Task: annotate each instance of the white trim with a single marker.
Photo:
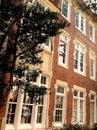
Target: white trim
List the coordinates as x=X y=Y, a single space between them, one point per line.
x=80 y=50
x=78 y=19
x=92 y=36
x=68 y=10
x=17 y=121
x=92 y=57
x=95 y=106
x=63 y=60
x=78 y=98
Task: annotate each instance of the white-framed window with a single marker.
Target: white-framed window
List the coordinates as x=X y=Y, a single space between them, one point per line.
x=59 y=106
x=63 y=50
x=78 y=106
x=92 y=108
x=22 y=111
x=92 y=66
x=79 y=58
x=48 y=44
x=12 y=105
x=92 y=32
x=66 y=8
x=80 y=21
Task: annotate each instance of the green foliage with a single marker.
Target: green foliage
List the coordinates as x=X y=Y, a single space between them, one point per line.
x=26 y=27
x=76 y=126
x=91 y=5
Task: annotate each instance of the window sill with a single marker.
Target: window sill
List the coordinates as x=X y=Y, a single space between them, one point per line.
x=93 y=41
x=58 y=125
x=25 y=126
x=10 y=127
x=47 y=48
x=93 y=78
x=63 y=65
x=68 y=19
x=80 y=73
x=83 y=32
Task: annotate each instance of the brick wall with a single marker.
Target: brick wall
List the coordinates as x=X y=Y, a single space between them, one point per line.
x=68 y=75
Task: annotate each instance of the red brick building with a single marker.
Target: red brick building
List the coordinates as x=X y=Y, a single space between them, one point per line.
x=69 y=70
x=74 y=76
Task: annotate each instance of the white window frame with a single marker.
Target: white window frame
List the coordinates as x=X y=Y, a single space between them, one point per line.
x=80 y=21
x=93 y=112
x=63 y=50
x=78 y=99
x=68 y=14
x=49 y=45
x=62 y=95
x=79 y=52
x=17 y=120
x=92 y=32
x=92 y=66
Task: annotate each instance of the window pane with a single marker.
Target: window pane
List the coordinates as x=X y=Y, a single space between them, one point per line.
x=78 y=106
x=77 y=19
x=92 y=111
x=65 y=8
x=92 y=97
x=62 y=52
x=92 y=65
x=27 y=109
x=60 y=89
x=47 y=43
x=39 y=114
x=59 y=104
x=80 y=21
x=81 y=94
x=75 y=104
x=75 y=93
x=76 y=59
x=75 y=110
x=43 y=80
x=12 y=105
x=26 y=114
x=79 y=58
x=82 y=24
x=81 y=62
x=75 y=116
x=58 y=116
x=40 y=109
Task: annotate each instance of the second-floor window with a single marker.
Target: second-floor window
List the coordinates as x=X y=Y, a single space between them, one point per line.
x=63 y=50
x=66 y=8
x=92 y=66
x=92 y=33
x=79 y=58
x=80 y=22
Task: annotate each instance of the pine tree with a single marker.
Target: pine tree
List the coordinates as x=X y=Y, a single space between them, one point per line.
x=23 y=29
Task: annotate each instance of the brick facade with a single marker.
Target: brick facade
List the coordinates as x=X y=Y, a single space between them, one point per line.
x=67 y=75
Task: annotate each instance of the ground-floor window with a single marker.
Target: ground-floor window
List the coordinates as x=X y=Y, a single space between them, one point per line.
x=78 y=106
x=12 y=105
x=92 y=108
x=59 y=105
x=22 y=110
